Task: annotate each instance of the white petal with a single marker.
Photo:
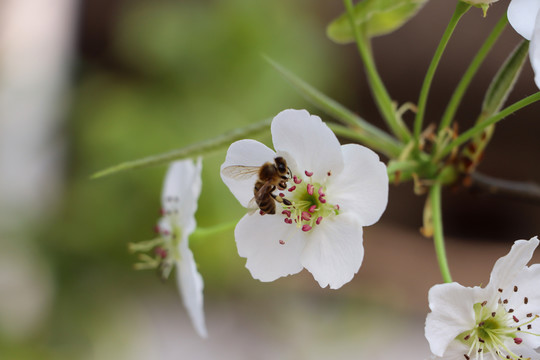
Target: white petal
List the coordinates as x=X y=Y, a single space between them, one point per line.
x=334 y=250
x=451 y=313
x=534 y=50
x=507 y=268
x=181 y=191
x=245 y=153
x=522 y=16
x=306 y=143
x=258 y=239
x=190 y=285
x=527 y=286
x=362 y=186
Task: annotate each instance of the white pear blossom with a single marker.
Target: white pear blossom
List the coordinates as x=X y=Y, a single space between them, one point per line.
x=332 y=192
x=524 y=16
x=179 y=198
x=500 y=321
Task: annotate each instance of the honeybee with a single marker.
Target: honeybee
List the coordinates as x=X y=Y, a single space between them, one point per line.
x=271 y=176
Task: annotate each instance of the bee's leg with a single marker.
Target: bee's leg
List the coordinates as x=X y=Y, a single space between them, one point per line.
x=281 y=199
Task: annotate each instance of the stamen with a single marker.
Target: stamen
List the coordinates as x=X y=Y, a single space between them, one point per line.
x=310 y=189
x=286 y=212
x=329 y=173
x=493 y=314
x=529 y=315
x=292 y=188
x=288 y=221
x=515 y=318
x=484 y=303
x=515 y=288
x=157 y=230
x=467 y=357
x=312 y=208
x=529 y=327
x=281 y=195
x=518 y=340
x=500 y=290
x=525 y=300
x=161 y=252
x=281 y=242
x=261 y=212
x=511 y=311
x=306 y=216
x=467 y=337
x=308 y=173
x=505 y=301
x=296 y=180
x=322 y=199
x=306 y=227
x=319 y=219
x=320 y=191
x=337 y=207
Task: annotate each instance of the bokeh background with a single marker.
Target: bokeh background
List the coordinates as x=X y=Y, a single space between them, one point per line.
x=85 y=85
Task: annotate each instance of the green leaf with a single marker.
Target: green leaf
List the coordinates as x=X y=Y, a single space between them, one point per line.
x=374 y=18
x=358 y=128
x=504 y=80
x=204 y=147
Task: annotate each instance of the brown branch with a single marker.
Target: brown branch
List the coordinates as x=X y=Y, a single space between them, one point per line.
x=524 y=191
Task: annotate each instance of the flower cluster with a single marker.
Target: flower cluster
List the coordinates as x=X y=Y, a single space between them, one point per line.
x=330 y=193
x=500 y=321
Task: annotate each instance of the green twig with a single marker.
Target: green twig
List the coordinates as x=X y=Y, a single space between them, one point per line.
x=478 y=128
x=461 y=9
x=204 y=147
x=470 y=72
x=438 y=237
x=384 y=102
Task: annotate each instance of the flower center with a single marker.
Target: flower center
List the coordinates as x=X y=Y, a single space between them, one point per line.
x=308 y=204
x=498 y=330
x=161 y=252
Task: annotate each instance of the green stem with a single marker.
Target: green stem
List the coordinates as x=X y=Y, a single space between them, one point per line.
x=212 y=230
x=204 y=147
x=384 y=102
x=471 y=71
x=388 y=147
x=461 y=9
x=438 y=237
x=479 y=127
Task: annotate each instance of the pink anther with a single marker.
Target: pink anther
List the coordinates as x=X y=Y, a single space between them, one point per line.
x=306 y=227
x=310 y=189
x=312 y=208
x=282 y=195
x=296 y=180
x=286 y=212
x=292 y=188
x=306 y=216
x=319 y=219
x=322 y=199
x=308 y=173
x=518 y=340
x=281 y=242
x=321 y=191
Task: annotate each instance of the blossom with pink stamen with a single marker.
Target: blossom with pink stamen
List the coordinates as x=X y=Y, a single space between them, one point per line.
x=355 y=195
x=500 y=321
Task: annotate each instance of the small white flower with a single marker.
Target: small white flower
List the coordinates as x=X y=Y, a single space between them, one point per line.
x=179 y=197
x=499 y=321
x=524 y=16
x=333 y=192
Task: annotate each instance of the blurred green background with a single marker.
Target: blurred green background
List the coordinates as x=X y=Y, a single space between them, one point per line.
x=151 y=76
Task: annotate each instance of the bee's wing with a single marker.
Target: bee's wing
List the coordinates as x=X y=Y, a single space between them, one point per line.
x=240 y=172
x=252 y=206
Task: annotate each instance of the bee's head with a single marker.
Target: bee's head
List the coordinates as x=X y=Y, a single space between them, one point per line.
x=281 y=166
